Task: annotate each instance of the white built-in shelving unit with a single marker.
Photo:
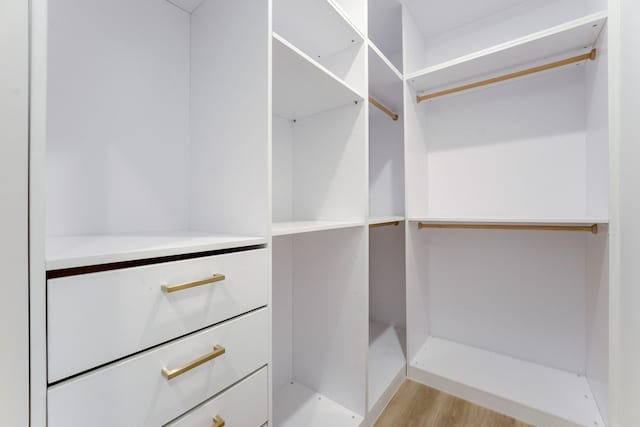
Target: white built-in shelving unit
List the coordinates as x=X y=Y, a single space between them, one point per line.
x=319 y=202
x=423 y=185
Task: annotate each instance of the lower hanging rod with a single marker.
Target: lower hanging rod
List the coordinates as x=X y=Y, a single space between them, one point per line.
x=384 y=109
x=384 y=224
x=589 y=228
x=587 y=56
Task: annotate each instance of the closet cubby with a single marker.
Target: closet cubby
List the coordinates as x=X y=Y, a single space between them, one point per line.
x=386 y=149
x=149 y=140
x=387 y=360
x=320 y=328
x=319 y=171
x=385 y=30
x=302 y=87
x=532 y=148
x=322 y=31
x=507 y=175
x=514 y=320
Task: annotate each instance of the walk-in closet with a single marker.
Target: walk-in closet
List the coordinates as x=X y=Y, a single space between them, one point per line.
x=274 y=212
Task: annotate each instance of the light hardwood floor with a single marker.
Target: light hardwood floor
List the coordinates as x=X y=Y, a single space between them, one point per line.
x=416 y=405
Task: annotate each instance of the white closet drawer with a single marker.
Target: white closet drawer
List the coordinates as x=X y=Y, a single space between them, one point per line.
x=135 y=392
x=244 y=405
x=96 y=318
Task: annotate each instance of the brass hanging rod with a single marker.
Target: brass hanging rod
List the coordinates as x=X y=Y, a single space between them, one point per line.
x=590 y=228
x=384 y=109
x=587 y=56
x=384 y=224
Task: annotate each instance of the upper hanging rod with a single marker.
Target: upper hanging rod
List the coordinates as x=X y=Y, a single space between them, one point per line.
x=590 y=228
x=587 y=56
x=384 y=109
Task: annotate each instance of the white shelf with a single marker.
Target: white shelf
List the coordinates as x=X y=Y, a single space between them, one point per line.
x=81 y=251
x=387 y=358
x=317 y=27
x=385 y=219
x=513 y=221
x=295 y=405
x=534 y=393
x=385 y=81
x=297 y=227
x=302 y=87
x=574 y=37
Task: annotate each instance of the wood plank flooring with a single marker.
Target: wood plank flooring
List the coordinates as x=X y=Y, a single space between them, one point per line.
x=416 y=405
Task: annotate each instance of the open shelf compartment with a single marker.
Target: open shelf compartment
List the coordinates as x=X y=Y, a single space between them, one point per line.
x=514 y=320
x=546 y=395
x=138 y=159
x=321 y=30
x=302 y=87
x=319 y=328
x=316 y=27
x=387 y=314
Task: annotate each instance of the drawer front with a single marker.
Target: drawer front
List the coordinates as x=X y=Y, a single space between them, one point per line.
x=135 y=392
x=96 y=318
x=243 y=405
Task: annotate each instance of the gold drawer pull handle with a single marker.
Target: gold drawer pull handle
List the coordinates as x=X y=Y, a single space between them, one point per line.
x=174 y=288
x=218 y=421
x=218 y=351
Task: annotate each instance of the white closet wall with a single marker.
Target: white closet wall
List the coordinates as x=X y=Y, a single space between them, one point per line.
x=625 y=268
x=14 y=180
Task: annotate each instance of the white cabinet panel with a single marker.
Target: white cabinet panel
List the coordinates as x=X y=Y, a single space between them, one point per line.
x=14 y=149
